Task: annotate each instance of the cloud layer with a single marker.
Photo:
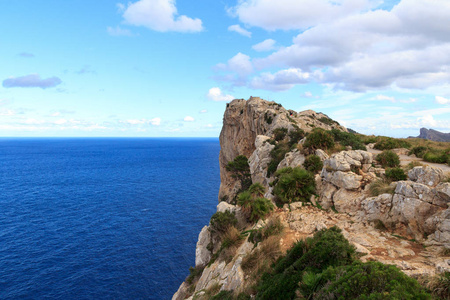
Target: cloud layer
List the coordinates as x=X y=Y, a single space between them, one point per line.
x=159 y=15
x=32 y=80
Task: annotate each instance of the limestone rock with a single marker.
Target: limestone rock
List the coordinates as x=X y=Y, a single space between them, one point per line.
x=236 y=210
x=347 y=201
x=292 y=159
x=322 y=154
x=202 y=254
x=428 y=175
x=259 y=160
x=346 y=180
x=377 y=208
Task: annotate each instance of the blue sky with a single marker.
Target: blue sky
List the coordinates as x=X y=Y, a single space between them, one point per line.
x=153 y=68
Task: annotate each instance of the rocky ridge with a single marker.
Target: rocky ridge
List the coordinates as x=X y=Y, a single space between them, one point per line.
x=416 y=215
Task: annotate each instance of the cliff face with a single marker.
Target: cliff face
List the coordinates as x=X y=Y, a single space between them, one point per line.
x=434 y=135
x=244 y=120
x=417 y=209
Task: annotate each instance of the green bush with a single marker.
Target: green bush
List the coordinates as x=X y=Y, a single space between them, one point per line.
x=438 y=156
x=388 y=159
x=253 y=204
x=381 y=186
x=313 y=163
x=221 y=221
x=319 y=139
x=277 y=154
x=328 y=121
x=390 y=143
x=240 y=170
x=279 y=133
x=440 y=286
x=273 y=227
x=348 y=139
x=396 y=174
x=293 y=185
x=261 y=207
x=371 y=280
x=295 y=135
x=327 y=248
x=268 y=118
x=418 y=151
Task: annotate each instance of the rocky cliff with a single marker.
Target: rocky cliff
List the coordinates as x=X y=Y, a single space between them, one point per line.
x=434 y=135
x=408 y=227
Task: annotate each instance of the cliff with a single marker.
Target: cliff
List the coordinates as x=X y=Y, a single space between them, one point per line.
x=434 y=135
x=408 y=226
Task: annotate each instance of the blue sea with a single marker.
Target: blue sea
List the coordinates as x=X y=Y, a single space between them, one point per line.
x=102 y=218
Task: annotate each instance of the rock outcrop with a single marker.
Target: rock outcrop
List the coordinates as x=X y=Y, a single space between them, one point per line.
x=434 y=135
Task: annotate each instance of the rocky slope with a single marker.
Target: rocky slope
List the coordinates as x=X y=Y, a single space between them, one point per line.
x=416 y=216
x=434 y=135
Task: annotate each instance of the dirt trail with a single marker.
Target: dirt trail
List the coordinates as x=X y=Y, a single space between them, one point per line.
x=405 y=159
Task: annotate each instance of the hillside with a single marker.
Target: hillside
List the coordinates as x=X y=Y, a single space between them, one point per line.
x=434 y=135
x=287 y=176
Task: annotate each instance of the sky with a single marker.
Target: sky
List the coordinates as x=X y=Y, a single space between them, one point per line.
x=166 y=68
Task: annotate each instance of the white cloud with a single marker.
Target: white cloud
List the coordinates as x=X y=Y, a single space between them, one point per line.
x=308 y=94
x=442 y=100
x=266 y=45
x=354 y=48
x=155 y=121
x=203 y=111
x=117 y=31
x=215 y=94
x=281 y=80
x=189 y=119
x=294 y=14
x=427 y=120
x=237 y=28
x=209 y=126
x=160 y=15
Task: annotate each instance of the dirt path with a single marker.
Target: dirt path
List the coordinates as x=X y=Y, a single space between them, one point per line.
x=405 y=159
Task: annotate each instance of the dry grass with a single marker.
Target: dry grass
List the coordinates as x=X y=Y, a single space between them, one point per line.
x=428 y=143
x=412 y=165
x=439 y=285
x=231 y=240
x=381 y=186
x=446 y=177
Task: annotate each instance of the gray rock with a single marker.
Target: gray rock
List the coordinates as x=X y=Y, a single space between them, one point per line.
x=292 y=159
x=202 y=254
x=427 y=175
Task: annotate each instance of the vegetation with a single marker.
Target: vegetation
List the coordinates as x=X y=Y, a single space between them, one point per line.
x=280 y=133
x=194 y=275
x=221 y=221
x=319 y=139
x=295 y=135
x=385 y=143
x=273 y=227
x=381 y=186
x=294 y=184
x=396 y=174
x=438 y=156
x=389 y=159
x=440 y=286
x=253 y=204
x=418 y=151
x=348 y=139
x=313 y=163
x=240 y=170
x=328 y=121
x=268 y=118
x=277 y=154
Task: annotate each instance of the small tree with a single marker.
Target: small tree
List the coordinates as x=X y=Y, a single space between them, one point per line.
x=240 y=170
x=294 y=184
x=253 y=204
x=319 y=139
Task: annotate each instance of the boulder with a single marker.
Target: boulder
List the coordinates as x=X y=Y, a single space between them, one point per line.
x=427 y=175
x=260 y=159
x=202 y=254
x=346 y=180
x=292 y=159
x=322 y=154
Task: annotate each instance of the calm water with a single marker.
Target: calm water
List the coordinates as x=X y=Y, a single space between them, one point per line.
x=102 y=218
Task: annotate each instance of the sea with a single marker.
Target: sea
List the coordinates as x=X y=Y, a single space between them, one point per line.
x=102 y=218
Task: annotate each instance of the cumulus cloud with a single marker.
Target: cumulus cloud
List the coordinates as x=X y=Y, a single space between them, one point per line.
x=281 y=80
x=266 y=45
x=240 y=30
x=155 y=121
x=32 y=80
x=189 y=119
x=160 y=15
x=117 y=31
x=215 y=94
x=442 y=100
x=294 y=14
x=355 y=48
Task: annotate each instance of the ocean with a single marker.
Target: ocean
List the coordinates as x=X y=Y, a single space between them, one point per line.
x=102 y=218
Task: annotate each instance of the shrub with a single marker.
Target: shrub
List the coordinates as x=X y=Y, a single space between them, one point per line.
x=221 y=221
x=396 y=174
x=273 y=227
x=390 y=143
x=440 y=285
x=313 y=163
x=277 y=154
x=268 y=118
x=279 y=133
x=412 y=165
x=194 y=274
x=223 y=295
x=388 y=159
x=327 y=248
x=261 y=207
x=381 y=186
x=253 y=204
x=319 y=139
x=240 y=170
x=348 y=139
x=294 y=184
x=295 y=135
x=328 y=121
x=371 y=280
x=437 y=156
x=418 y=151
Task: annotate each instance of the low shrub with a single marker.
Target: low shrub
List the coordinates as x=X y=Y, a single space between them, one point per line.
x=223 y=295
x=328 y=121
x=371 y=280
x=412 y=165
x=279 y=133
x=253 y=204
x=273 y=227
x=261 y=207
x=396 y=174
x=418 y=151
x=319 y=139
x=221 y=221
x=438 y=156
x=240 y=170
x=348 y=139
x=313 y=163
x=391 y=143
x=388 y=159
x=381 y=186
x=295 y=135
x=194 y=274
x=268 y=118
x=293 y=185
x=277 y=154
x=440 y=285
